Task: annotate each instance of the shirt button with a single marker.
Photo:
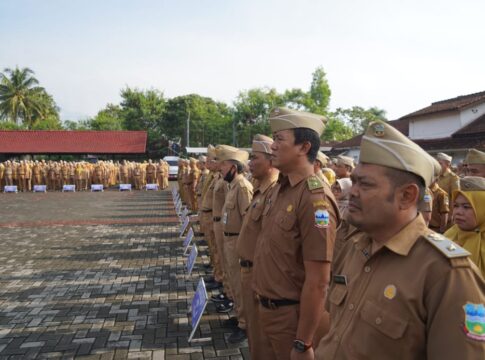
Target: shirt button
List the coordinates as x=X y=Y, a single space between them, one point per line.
x=367 y=269
x=336 y=337
x=351 y=307
x=378 y=321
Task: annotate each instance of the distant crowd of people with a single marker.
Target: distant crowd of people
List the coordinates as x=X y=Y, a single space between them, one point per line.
x=55 y=174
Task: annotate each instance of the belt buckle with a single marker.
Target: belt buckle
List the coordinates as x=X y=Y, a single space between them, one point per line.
x=272 y=305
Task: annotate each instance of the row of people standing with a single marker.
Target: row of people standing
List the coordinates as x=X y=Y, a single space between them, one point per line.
x=357 y=274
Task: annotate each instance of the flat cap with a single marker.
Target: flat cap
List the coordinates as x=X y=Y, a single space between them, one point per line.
x=284 y=119
x=443 y=156
x=384 y=145
x=226 y=152
x=211 y=151
x=202 y=158
x=345 y=160
x=472 y=183
x=322 y=158
x=474 y=156
x=262 y=143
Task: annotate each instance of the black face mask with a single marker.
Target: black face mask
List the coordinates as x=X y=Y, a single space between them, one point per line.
x=230 y=176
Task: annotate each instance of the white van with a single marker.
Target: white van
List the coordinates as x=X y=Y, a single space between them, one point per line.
x=173 y=166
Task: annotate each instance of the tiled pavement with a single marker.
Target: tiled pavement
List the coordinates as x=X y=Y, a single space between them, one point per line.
x=99 y=276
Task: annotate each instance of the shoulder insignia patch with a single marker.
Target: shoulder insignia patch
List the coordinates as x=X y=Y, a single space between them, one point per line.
x=446 y=246
x=314 y=183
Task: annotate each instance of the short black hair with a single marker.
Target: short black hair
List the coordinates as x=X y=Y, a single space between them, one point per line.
x=239 y=166
x=401 y=177
x=303 y=134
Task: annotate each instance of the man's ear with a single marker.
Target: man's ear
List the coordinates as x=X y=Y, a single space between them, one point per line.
x=408 y=196
x=305 y=148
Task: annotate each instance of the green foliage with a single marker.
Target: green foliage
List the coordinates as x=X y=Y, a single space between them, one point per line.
x=22 y=101
x=9 y=125
x=110 y=118
x=336 y=130
x=358 y=118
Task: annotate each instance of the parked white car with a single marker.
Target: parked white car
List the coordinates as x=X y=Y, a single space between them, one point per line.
x=173 y=166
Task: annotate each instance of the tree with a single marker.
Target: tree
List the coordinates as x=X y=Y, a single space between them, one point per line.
x=110 y=118
x=319 y=93
x=358 y=118
x=336 y=130
x=22 y=101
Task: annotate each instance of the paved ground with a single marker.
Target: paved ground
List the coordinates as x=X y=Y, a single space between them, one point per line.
x=99 y=276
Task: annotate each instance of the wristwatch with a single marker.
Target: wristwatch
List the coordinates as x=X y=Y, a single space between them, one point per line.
x=300 y=346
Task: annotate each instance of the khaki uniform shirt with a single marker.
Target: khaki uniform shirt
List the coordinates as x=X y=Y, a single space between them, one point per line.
x=401 y=300
x=299 y=224
x=208 y=192
x=322 y=177
x=237 y=201
x=441 y=205
x=251 y=227
x=449 y=181
x=220 y=190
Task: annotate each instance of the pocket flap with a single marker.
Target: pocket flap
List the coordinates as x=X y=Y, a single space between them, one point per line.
x=338 y=294
x=388 y=323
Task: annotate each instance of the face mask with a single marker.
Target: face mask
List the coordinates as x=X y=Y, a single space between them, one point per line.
x=229 y=176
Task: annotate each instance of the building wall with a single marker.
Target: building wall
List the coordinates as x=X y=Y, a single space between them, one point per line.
x=434 y=126
x=470 y=114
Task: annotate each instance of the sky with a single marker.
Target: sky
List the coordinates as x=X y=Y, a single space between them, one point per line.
x=397 y=55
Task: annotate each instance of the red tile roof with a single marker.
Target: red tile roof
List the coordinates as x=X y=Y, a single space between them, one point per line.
x=442 y=144
x=72 y=142
x=475 y=127
x=454 y=104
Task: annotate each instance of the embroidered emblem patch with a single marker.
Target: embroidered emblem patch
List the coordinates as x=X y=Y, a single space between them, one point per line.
x=322 y=218
x=321 y=203
x=474 y=325
x=390 y=292
x=378 y=130
x=289 y=208
x=427 y=198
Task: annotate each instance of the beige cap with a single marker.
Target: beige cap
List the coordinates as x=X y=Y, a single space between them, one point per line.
x=475 y=157
x=345 y=160
x=284 y=119
x=383 y=145
x=202 y=158
x=211 y=151
x=192 y=160
x=472 y=183
x=444 y=157
x=226 y=152
x=322 y=158
x=262 y=143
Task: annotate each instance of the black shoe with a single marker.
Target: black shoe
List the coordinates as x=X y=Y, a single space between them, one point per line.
x=231 y=322
x=219 y=298
x=237 y=336
x=207 y=266
x=213 y=286
x=202 y=243
x=224 y=307
x=209 y=279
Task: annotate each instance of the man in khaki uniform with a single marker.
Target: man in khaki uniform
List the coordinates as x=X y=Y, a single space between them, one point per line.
x=319 y=163
x=344 y=166
x=441 y=209
x=447 y=180
x=192 y=180
x=237 y=201
x=475 y=161
x=266 y=176
x=425 y=206
x=400 y=290
x=295 y=246
x=150 y=171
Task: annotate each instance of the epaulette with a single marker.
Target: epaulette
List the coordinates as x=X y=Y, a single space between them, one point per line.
x=314 y=183
x=446 y=246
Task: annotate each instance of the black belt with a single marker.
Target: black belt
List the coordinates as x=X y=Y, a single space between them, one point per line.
x=246 y=263
x=231 y=234
x=274 y=304
x=207 y=211
x=216 y=218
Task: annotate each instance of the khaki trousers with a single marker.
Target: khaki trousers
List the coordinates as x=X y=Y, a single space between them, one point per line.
x=208 y=230
x=258 y=342
x=233 y=271
x=219 y=240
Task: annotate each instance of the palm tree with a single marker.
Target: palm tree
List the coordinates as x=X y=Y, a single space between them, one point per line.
x=21 y=99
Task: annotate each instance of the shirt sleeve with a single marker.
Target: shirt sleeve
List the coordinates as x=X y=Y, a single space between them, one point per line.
x=445 y=204
x=245 y=195
x=453 y=333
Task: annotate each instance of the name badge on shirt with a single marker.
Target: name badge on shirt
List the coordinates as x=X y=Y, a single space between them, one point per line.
x=340 y=279
x=224 y=218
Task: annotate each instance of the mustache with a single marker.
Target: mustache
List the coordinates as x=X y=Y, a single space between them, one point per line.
x=355 y=202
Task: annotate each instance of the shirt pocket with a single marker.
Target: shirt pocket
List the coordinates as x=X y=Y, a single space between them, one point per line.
x=256 y=211
x=389 y=324
x=338 y=295
x=285 y=220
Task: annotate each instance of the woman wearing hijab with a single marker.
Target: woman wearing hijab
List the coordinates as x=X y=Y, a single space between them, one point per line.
x=341 y=191
x=469 y=219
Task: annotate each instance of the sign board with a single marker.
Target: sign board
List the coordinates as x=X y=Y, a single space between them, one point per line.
x=40 y=188
x=125 y=187
x=151 y=187
x=70 y=188
x=97 y=187
x=191 y=259
x=199 y=303
x=184 y=214
x=183 y=227
x=188 y=240
x=10 y=188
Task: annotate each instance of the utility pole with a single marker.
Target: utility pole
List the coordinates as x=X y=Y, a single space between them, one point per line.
x=188 y=129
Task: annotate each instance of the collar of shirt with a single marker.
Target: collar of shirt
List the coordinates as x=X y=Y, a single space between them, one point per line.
x=403 y=241
x=266 y=183
x=236 y=180
x=292 y=180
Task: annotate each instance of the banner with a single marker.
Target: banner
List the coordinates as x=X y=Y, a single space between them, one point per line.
x=199 y=303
